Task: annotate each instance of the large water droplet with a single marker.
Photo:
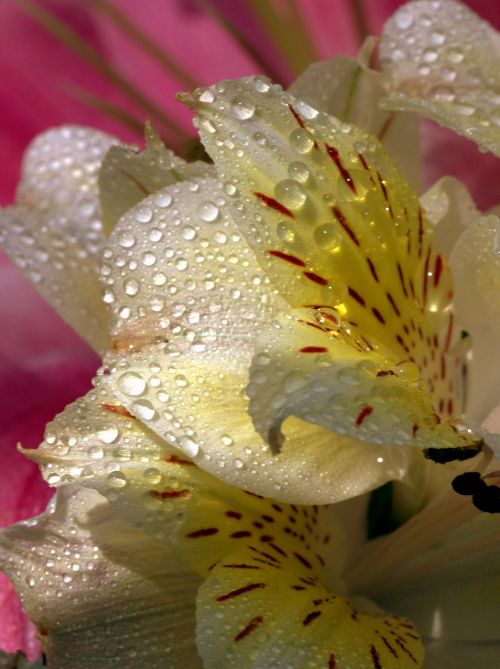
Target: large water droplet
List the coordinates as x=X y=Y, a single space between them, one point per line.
x=132 y=384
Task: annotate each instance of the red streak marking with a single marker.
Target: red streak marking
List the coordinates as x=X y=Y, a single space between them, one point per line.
x=386 y=372
x=341 y=219
x=332 y=662
x=401 y=279
x=316 y=278
x=329 y=317
x=354 y=294
x=312 y=325
x=310 y=617
x=443 y=367
x=363 y=161
x=415 y=429
x=363 y=414
x=240 y=591
x=278 y=549
x=296 y=116
x=406 y=650
x=303 y=560
x=118 y=409
x=450 y=407
x=438 y=268
x=285 y=256
x=420 y=231
x=393 y=304
x=334 y=155
x=274 y=204
x=412 y=288
x=173 y=459
x=240 y=566
x=313 y=349
x=384 y=191
x=251 y=627
x=170 y=494
x=372 y=269
x=241 y=534
x=375 y=657
x=378 y=315
x=389 y=647
x=387 y=124
x=234 y=514
x=448 y=334
x=205 y=532
x=426 y=273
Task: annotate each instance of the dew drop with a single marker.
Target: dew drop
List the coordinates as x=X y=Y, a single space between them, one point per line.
x=131 y=384
x=208 y=212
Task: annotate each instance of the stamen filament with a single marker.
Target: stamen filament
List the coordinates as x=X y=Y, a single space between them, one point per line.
x=445 y=514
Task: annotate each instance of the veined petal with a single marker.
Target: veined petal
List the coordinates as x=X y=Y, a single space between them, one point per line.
x=442 y=588
x=475 y=264
x=167 y=496
x=449 y=654
x=207 y=298
x=53 y=233
x=278 y=612
x=196 y=402
x=444 y=63
x=450 y=209
x=128 y=175
x=18 y=661
x=334 y=224
x=349 y=90
x=311 y=365
x=101 y=593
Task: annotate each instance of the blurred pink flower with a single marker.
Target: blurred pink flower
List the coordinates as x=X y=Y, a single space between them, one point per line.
x=43 y=365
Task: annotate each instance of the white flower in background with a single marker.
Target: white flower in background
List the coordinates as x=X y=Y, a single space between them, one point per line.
x=285 y=333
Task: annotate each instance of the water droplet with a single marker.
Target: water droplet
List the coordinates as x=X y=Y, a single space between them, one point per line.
x=144 y=214
x=108 y=435
x=144 y=410
x=131 y=287
x=188 y=233
x=290 y=193
x=131 y=384
x=301 y=140
x=208 y=212
x=189 y=446
x=243 y=108
x=404 y=19
x=327 y=236
x=117 y=480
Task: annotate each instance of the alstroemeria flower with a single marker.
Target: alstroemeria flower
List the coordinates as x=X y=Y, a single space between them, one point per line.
x=308 y=236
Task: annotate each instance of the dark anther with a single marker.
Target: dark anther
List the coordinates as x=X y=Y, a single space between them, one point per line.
x=469 y=483
x=488 y=500
x=444 y=455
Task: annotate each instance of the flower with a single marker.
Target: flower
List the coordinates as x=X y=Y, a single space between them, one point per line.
x=332 y=338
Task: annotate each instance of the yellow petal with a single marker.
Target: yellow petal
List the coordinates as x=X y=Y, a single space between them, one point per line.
x=128 y=175
x=313 y=365
x=444 y=62
x=276 y=611
x=334 y=224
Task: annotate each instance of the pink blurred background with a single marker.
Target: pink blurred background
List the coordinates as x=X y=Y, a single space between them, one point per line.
x=43 y=365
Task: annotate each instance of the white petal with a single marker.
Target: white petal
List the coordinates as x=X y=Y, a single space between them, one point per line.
x=475 y=263
x=450 y=209
x=323 y=371
x=445 y=64
x=129 y=175
x=54 y=234
x=452 y=590
x=453 y=654
x=346 y=88
x=177 y=267
x=101 y=593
